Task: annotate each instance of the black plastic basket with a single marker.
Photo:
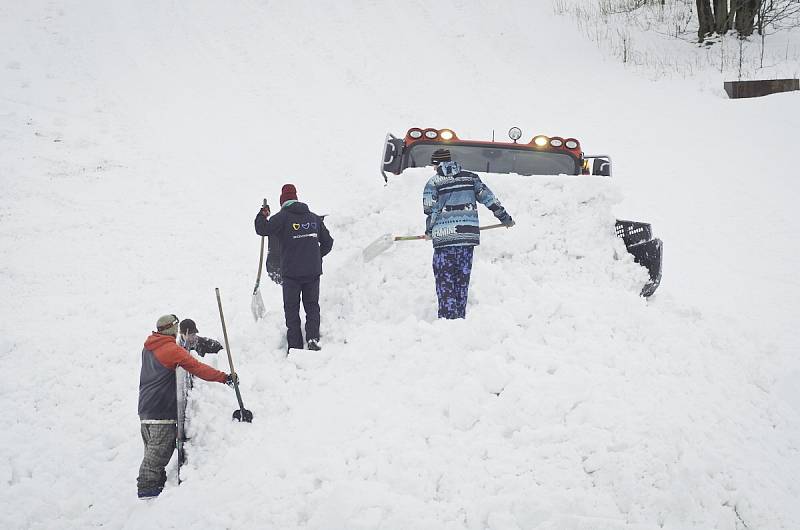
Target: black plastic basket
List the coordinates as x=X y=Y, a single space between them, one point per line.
x=633 y=232
x=646 y=251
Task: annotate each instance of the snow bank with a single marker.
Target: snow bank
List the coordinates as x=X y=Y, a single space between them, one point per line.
x=136 y=142
x=563 y=400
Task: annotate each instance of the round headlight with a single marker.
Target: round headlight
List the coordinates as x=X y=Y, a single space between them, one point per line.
x=430 y=133
x=446 y=134
x=571 y=143
x=515 y=133
x=556 y=142
x=541 y=141
x=415 y=133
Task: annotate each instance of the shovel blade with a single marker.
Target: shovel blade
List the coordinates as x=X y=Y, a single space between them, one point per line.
x=257 y=306
x=377 y=247
x=243 y=415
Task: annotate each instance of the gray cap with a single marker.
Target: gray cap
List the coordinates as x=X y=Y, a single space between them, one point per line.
x=168 y=325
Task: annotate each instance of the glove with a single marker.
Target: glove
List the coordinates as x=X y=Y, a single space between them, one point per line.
x=231 y=379
x=265 y=211
x=205 y=345
x=508 y=222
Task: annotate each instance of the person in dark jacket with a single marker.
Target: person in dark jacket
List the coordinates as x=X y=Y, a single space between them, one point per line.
x=158 y=400
x=304 y=241
x=190 y=340
x=449 y=201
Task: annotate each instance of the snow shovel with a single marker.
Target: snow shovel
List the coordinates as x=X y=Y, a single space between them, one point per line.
x=257 y=303
x=241 y=414
x=385 y=242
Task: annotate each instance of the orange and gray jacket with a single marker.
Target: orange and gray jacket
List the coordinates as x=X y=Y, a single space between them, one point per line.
x=158 y=398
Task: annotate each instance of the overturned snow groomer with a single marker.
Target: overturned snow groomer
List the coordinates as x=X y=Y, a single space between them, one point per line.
x=543 y=155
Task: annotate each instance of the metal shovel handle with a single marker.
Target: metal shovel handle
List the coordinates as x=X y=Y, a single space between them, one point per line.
x=412 y=238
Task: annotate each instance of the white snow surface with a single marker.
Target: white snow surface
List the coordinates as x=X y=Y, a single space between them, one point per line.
x=137 y=139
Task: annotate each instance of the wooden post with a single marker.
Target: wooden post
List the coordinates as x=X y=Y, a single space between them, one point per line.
x=754 y=89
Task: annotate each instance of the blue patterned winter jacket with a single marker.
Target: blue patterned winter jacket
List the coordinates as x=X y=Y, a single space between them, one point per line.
x=450 y=202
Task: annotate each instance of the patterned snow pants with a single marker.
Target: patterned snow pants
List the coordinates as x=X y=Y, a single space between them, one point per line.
x=451 y=269
x=159 y=443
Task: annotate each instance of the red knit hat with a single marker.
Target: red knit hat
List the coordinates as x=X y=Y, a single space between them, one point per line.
x=288 y=193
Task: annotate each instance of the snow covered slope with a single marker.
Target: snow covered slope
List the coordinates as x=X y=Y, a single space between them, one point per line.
x=137 y=140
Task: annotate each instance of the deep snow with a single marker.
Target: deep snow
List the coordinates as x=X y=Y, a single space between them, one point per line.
x=137 y=141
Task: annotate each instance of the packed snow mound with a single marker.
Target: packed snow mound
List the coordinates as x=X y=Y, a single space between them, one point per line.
x=563 y=242
x=564 y=400
x=137 y=141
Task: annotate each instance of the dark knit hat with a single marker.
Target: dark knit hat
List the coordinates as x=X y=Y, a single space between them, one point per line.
x=188 y=326
x=440 y=155
x=167 y=325
x=288 y=193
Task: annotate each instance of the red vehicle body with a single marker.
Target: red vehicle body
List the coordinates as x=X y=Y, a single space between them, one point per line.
x=543 y=155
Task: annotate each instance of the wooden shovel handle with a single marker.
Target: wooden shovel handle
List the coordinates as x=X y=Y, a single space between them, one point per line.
x=260 y=258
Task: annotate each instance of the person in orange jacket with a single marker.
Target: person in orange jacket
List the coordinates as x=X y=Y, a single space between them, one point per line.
x=158 y=400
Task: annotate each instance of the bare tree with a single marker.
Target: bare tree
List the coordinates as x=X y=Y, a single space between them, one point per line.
x=741 y=57
x=727 y=15
x=705 y=20
x=774 y=16
x=615 y=7
x=745 y=13
x=722 y=17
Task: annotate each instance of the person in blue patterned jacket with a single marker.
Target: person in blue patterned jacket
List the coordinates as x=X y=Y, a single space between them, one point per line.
x=450 y=203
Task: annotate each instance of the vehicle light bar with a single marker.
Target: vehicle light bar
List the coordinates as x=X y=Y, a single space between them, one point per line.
x=541 y=141
x=538 y=141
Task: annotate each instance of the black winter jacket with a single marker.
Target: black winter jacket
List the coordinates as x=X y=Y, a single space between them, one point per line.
x=303 y=237
x=202 y=345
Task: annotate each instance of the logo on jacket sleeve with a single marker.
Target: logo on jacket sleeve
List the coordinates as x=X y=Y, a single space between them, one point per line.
x=296 y=226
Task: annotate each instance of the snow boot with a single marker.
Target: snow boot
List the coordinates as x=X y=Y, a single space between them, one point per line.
x=149 y=494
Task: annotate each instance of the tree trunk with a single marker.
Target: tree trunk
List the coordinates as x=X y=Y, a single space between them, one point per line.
x=722 y=16
x=705 y=19
x=745 y=16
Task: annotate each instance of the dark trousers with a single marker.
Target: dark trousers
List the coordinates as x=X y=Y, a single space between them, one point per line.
x=451 y=269
x=295 y=289
x=159 y=443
